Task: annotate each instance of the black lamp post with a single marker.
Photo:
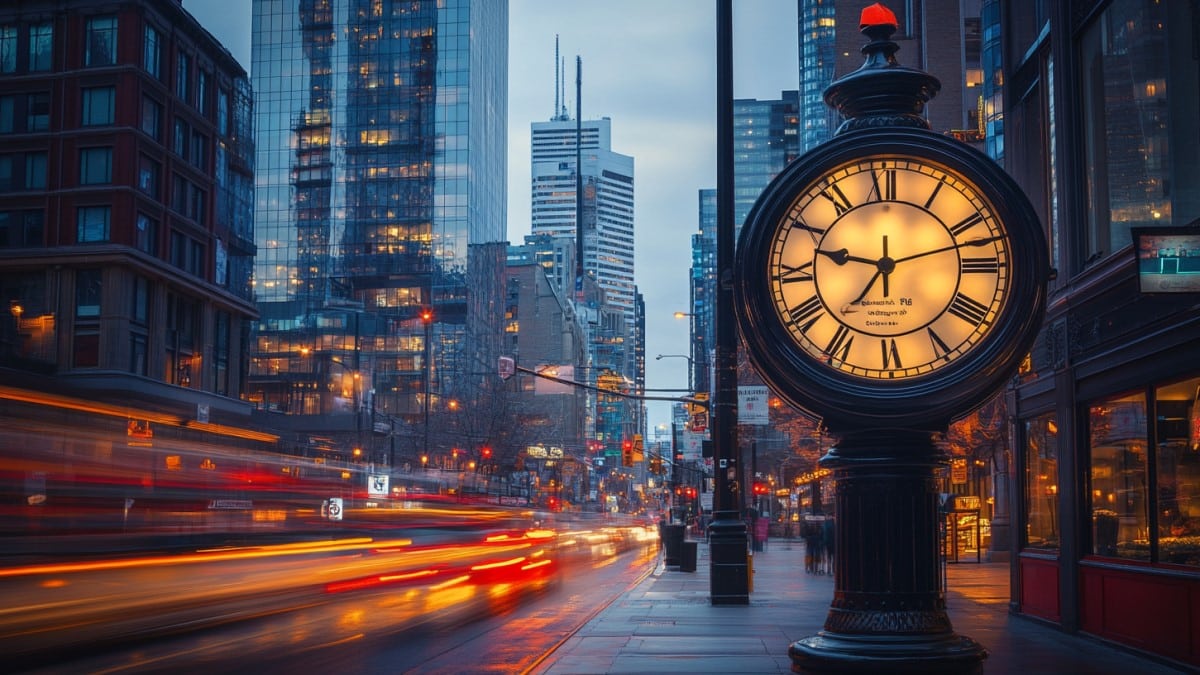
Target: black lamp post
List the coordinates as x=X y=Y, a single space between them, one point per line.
x=729 y=569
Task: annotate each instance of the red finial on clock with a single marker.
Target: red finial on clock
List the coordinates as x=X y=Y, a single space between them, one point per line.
x=878 y=15
x=881 y=92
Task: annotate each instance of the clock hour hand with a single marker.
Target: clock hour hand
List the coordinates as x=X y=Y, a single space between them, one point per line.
x=969 y=242
x=883 y=267
x=842 y=256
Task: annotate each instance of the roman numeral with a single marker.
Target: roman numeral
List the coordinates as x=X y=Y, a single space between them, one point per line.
x=891 y=355
x=835 y=195
x=968 y=310
x=940 y=348
x=933 y=195
x=805 y=226
x=966 y=224
x=840 y=343
x=791 y=275
x=884 y=190
x=980 y=265
x=808 y=311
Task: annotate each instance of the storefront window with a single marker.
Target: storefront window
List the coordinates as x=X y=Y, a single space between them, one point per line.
x=1120 y=525
x=1041 y=482
x=1177 y=470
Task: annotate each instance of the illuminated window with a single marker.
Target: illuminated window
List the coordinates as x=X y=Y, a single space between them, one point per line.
x=1041 y=482
x=1118 y=497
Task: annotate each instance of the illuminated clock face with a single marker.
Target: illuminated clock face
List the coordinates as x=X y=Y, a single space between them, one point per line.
x=889 y=268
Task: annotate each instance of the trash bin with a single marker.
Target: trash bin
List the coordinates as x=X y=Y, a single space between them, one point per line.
x=687 y=561
x=672 y=543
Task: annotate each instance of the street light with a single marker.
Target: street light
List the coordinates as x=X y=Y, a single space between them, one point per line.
x=427 y=319
x=691 y=364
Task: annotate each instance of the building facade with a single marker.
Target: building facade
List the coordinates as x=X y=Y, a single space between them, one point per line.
x=126 y=234
x=607 y=215
x=380 y=218
x=942 y=38
x=766 y=137
x=541 y=324
x=604 y=217
x=1100 y=103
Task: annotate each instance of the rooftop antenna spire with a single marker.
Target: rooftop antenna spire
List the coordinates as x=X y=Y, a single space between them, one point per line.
x=557 y=76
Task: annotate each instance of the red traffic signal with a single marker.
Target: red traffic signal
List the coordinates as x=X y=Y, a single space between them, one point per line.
x=486 y=452
x=426 y=315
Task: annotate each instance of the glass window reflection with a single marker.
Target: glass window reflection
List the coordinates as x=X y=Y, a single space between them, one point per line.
x=1041 y=482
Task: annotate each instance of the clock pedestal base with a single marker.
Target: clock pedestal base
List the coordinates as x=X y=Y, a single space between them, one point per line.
x=729 y=566
x=888 y=612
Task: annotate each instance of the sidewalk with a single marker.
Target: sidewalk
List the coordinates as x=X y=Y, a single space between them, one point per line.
x=666 y=624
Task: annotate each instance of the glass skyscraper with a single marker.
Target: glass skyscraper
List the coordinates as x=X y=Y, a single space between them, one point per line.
x=766 y=139
x=380 y=205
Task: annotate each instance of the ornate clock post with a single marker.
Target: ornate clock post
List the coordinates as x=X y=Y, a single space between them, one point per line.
x=888 y=281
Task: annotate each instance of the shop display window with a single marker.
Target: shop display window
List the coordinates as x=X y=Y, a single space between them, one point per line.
x=1144 y=494
x=1177 y=472
x=1041 y=483
x=1119 y=485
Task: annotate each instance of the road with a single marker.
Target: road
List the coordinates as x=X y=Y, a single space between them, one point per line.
x=496 y=605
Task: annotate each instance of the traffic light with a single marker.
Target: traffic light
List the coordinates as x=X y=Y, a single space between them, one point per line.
x=486 y=452
x=627 y=453
x=760 y=488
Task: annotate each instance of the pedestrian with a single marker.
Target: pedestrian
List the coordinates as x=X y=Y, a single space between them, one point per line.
x=827 y=541
x=812 y=547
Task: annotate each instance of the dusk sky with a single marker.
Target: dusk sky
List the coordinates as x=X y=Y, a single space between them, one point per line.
x=650 y=65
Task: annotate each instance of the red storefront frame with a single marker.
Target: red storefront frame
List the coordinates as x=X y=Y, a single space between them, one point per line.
x=1040 y=587
x=1151 y=609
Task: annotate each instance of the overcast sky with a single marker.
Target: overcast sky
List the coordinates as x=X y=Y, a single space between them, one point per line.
x=650 y=65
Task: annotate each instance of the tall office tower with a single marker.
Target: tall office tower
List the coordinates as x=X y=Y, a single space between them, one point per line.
x=817 y=30
x=766 y=139
x=991 y=70
x=380 y=212
x=943 y=38
x=703 y=292
x=126 y=231
x=607 y=215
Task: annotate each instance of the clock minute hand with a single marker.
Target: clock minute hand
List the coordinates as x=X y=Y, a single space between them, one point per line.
x=972 y=242
x=878 y=273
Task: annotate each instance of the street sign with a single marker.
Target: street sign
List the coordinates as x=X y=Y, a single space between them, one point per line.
x=507 y=367
x=377 y=485
x=333 y=508
x=753 y=405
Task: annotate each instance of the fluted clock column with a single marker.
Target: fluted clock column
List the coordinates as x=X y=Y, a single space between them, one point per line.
x=888 y=605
